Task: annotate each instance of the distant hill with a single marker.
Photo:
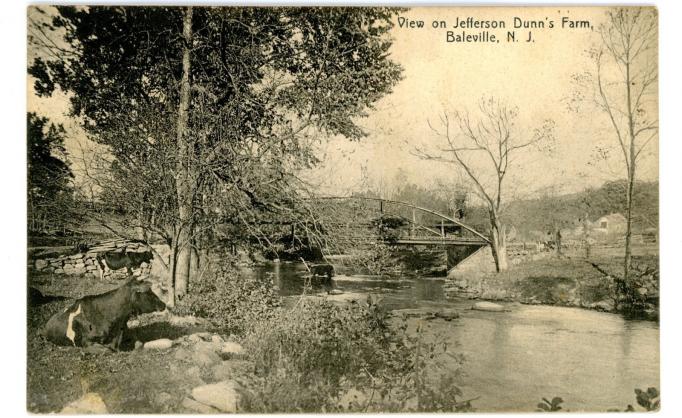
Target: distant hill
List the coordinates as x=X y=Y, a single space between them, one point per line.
x=543 y=214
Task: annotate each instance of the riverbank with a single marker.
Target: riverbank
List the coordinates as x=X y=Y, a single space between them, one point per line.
x=571 y=282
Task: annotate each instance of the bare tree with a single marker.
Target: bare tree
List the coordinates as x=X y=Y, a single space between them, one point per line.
x=485 y=149
x=624 y=86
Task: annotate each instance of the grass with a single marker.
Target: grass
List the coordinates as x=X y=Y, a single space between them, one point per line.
x=556 y=281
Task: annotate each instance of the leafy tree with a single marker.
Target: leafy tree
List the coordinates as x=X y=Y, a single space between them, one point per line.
x=49 y=174
x=213 y=110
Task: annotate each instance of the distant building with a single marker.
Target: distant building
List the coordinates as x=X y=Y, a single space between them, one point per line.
x=614 y=223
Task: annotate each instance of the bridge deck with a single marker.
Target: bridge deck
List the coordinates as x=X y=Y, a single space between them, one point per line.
x=439 y=241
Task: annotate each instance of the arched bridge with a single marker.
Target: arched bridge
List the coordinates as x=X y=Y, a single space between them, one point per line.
x=419 y=226
x=347 y=225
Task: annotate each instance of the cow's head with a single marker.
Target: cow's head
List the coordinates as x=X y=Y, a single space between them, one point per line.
x=144 y=300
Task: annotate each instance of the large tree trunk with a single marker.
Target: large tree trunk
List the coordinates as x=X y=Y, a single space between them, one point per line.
x=184 y=177
x=498 y=243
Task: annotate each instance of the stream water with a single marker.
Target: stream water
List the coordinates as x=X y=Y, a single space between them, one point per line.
x=593 y=360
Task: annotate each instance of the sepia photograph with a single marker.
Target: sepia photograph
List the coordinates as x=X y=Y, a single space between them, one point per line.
x=340 y=209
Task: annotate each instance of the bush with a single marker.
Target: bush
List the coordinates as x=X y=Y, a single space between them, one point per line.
x=319 y=357
x=229 y=300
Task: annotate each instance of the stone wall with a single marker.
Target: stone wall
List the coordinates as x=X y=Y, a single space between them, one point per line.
x=85 y=263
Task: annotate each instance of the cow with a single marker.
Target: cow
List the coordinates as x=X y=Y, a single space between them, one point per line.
x=322 y=270
x=101 y=319
x=115 y=260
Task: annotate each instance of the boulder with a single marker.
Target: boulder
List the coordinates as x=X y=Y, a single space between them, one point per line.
x=222 y=396
x=488 y=307
x=205 y=354
x=41 y=264
x=199 y=407
x=160 y=344
x=217 y=339
x=231 y=368
x=415 y=313
x=447 y=314
x=90 y=403
x=230 y=348
x=183 y=354
x=335 y=292
x=604 y=305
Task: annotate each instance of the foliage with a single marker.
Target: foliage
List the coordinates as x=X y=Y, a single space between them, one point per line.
x=550 y=406
x=389 y=227
x=49 y=175
x=377 y=258
x=312 y=357
x=649 y=400
x=230 y=300
x=266 y=85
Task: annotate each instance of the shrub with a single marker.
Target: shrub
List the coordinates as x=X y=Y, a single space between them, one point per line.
x=315 y=356
x=230 y=300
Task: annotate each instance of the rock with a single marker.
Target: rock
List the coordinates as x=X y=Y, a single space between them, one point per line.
x=48 y=269
x=447 y=314
x=199 y=407
x=160 y=344
x=138 y=345
x=143 y=265
x=604 y=305
x=194 y=338
x=415 y=313
x=222 y=396
x=79 y=265
x=97 y=349
x=41 y=264
x=488 y=307
x=217 y=339
x=231 y=348
x=183 y=354
x=230 y=368
x=59 y=271
x=335 y=292
x=90 y=403
x=205 y=354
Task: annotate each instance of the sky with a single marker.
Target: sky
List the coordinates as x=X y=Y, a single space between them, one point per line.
x=441 y=76
x=535 y=77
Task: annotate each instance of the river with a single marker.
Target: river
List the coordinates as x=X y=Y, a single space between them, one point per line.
x=593 y=360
